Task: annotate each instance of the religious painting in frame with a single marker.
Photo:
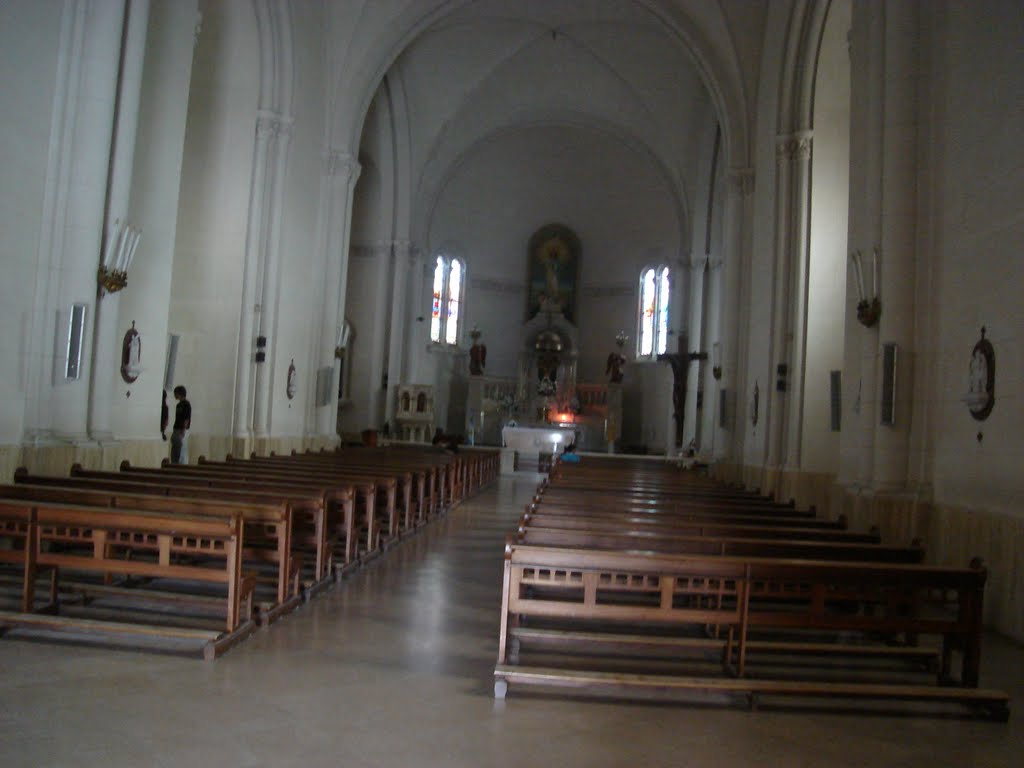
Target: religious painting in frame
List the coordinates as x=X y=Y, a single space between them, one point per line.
x=553 y=271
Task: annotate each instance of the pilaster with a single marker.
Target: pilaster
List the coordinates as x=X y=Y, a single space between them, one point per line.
x=120 y=239
x=341 y=171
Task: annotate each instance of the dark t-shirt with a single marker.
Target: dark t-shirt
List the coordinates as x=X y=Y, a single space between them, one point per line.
x=182 y=414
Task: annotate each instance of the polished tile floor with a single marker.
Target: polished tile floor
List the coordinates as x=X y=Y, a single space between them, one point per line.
x=394 y=669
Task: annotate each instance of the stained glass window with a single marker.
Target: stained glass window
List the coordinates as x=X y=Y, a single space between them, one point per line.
x=663 y=295
x=446 y=300
x=647 y=306
x=652 y=336
x=435 y=307
x=451 y=326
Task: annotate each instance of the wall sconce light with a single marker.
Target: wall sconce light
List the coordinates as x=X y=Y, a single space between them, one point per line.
x=869 y=306
x=716 y=361
x=111 y=281
x=112 y=275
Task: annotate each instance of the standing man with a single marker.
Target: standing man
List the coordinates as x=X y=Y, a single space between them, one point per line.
x=182 y=422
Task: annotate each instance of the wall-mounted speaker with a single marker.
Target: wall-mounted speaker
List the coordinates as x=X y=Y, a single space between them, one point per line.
x=324 y=385
x=888 y=403
x=76 y=334
x=835 y=380
x=171 y=361
x=723 y=408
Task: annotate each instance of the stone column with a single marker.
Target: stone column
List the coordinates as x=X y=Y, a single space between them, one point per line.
x=898 y=235
x=867 y=76
x=712 y=345
x=342 y=171
x=734 y=312
x=784 y=407
x=90 y=105
x=403 y=263
x=120 y=239
x=697 y=266
x=249 y=314
x=799 y=253
x=418 y=338
x=773 y=401
x=378 y=333
x=280 y=141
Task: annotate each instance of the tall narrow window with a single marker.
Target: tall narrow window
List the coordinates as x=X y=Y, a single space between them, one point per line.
x=446 y=301
x=663 y=294
x=435 y=307
x=454 y=302
x=647 y=306
x=652 y=320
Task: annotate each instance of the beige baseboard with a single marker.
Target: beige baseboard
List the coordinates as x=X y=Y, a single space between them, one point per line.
x=951 y=535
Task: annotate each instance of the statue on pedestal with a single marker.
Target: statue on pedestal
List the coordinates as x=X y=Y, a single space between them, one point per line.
x=616 y=360
x=477 y=354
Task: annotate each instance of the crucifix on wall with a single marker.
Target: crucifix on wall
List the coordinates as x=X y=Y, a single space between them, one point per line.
x=680 y=362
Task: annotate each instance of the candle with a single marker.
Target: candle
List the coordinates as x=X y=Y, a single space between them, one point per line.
x=855 y=256
x=874 y=274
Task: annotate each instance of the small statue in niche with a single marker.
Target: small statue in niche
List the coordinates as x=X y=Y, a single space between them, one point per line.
x=477 y=354
x=131 y=355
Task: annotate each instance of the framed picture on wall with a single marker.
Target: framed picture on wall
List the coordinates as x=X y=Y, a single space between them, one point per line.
x=553 y=271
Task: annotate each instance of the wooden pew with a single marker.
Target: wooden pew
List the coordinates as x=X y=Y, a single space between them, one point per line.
x=18 y=526
x=410 y=489
x=366 y=492
x=92 y=540
x=312 y=514
x=543 y=517
x=607 y=508
x=579 y=589
x=713 y=543
x=269 y=531
x=334 y=505
x=386 y=487
x=416 y=484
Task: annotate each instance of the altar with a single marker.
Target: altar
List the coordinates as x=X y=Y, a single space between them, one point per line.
x=530 y=444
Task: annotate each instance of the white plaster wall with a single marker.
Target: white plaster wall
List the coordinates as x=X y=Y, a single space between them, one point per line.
x=647 y=406
x=300 y=285
x=211 y=226
x=29 y=37
x=612 y=196
x=155 y=186
x=826 y=291
x=976 y=159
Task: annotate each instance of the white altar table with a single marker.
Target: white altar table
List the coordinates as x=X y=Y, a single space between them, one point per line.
x=530 y=442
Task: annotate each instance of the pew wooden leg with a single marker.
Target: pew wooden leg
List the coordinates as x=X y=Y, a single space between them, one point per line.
x=513 y=650
x=500 y=688
x=946 y=661
x=54 y=585
x=28 y=591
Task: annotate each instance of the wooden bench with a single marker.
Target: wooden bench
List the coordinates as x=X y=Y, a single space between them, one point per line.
x=410 y=490
x=386 y=509
x=627 y=538
x=542 y=517
x=367 y=523
x=154 y=545
x=580 y=589
x=654 y=516
x=268 y=532
x=329 y=508
x=312 y=532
